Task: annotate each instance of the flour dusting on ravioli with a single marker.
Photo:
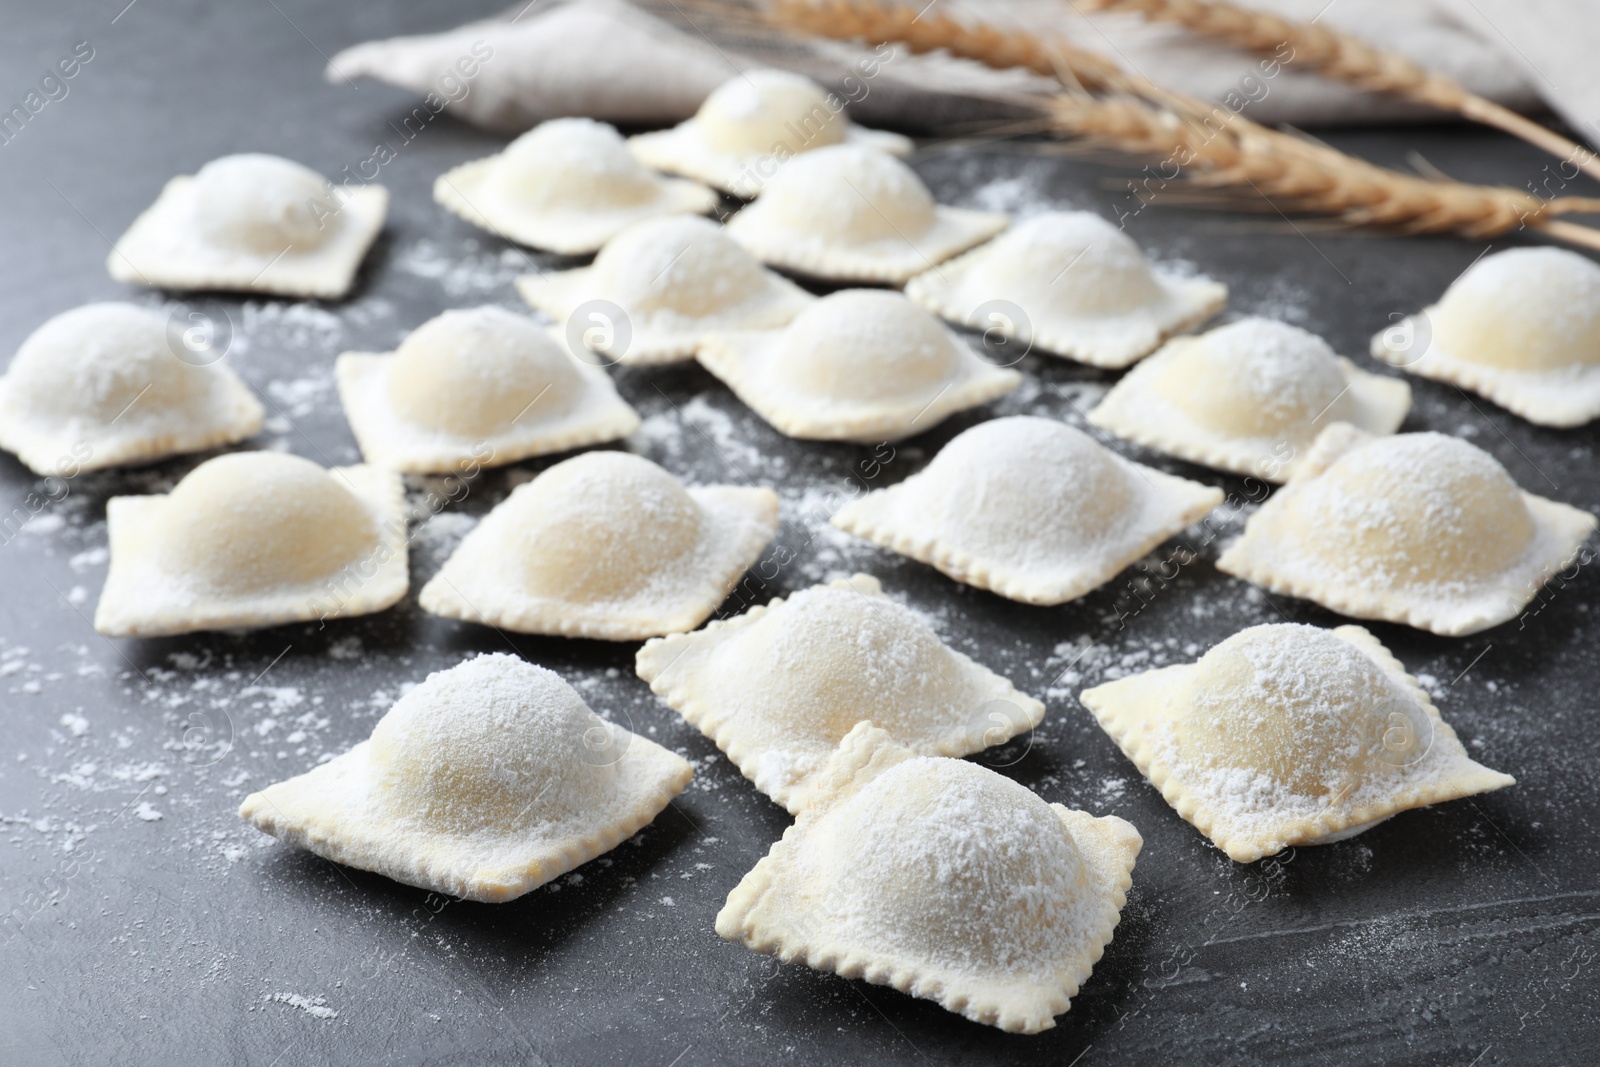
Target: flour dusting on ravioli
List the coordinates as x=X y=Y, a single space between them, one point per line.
x=778 y=687
x=942 y=879
x=105 y=385
x=750 y=126
x=484 y=782
x=1069 y=283
x=1521 y=327
x=568 y=185
x=1288 y=735
x=256 y=223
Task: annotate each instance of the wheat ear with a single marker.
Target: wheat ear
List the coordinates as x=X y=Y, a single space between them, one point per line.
x=921 y=30
x=1348 y=59
x=1211 y=146
x=1309 y=177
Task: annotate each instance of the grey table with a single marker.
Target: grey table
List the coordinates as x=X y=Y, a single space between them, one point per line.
x=147 y=925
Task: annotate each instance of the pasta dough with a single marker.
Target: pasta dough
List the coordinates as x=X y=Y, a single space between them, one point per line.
x=568 y=185
x=254 y=539
x=852 y=214
x=1083 y=288
x=256 y=223
x=484 y=782
x=1416 y=528
x=777 y=687
x=101 y=386
x=1030 y=509
x=1288 y=735
x=942 y=879
x=858 y=365
x=750 y=126
x=676 y=280
x=1248 y=397
x=1521 y=327
x=479 y=387
x=606 y=545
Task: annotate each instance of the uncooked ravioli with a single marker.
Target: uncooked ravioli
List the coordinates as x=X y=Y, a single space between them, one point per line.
x=858 y=365
x=1288 y=735
x=1249 y=397
x=675 y=281
x=606 y=545
x=569 y=185
x=484 y=782
x=848 y=213
x=1521 y=327
x=1416 y=528
x=107 y=384
x=750 y=126
x=942 y=879
x=477 y=387
x=1069 y=283
x=1028 y=508
x=256 y=223
x=777 y=687
x=254 y=539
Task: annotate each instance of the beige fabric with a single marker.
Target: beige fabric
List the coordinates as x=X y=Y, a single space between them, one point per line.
x=609 y=60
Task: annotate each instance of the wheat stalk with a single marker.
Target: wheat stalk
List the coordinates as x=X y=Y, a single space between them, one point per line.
x=922 y=30
x=1309 y=177
x=1210 y=146
x=1348 y=59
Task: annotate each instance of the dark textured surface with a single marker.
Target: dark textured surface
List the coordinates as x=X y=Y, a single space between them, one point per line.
x=1461 y=935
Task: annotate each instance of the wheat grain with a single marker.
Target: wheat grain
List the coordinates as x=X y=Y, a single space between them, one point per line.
x=1206 y=145
x=1349 y=59
x=921 y=30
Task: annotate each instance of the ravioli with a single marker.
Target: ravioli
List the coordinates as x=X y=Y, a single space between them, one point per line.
x=942 y=879
x=853 y=214
x=605 y=545
x=675 y=280
x=253 y=223
x=1417 y=528
x=484 y=782
x=1249 y=397
x=1028 y=508
x=1521 y=327
x=861 y=365
x=477 y=387
x=750 y=126
x=567 y=185
x=1082 y=286
x=1288 y=735
x=104 y=385
x=777 y=687
x=254 y=539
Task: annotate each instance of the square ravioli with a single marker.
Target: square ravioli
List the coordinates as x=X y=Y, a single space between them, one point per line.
x=605 y=545
x=1415 y=528
x=1521 y=327
x=477 y=387
x=750 y=126
x=254 y=539
x=1072 y=284
x=1028 y=508
x=104 y=385
x=1288 y=735
x=777 y=687
x=1248 y=397
x=852 y=214
x=657 y=289
x=484 y=782
x=252 y=223
x=567 y=185
x=861 y=365
x=942 y=879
